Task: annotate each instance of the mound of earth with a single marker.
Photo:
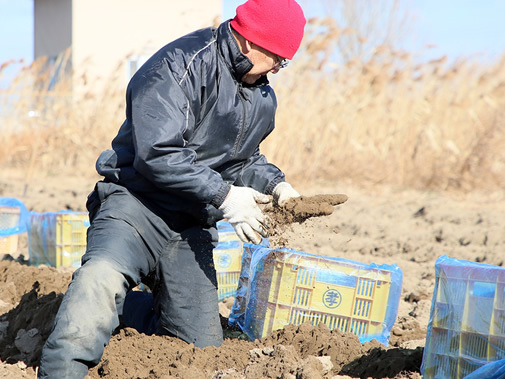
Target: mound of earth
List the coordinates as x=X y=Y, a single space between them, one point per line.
x=303 y=351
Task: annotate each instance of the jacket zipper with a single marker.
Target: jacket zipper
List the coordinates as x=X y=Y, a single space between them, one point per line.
x=243 y=126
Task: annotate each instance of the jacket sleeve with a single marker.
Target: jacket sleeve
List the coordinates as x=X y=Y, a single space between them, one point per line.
x=160 y=113
x=257 y=173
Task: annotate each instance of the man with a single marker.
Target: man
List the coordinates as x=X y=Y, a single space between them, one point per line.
x=186 y=156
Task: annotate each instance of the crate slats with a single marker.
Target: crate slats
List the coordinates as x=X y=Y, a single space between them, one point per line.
x=467 y=322
x=289 y=287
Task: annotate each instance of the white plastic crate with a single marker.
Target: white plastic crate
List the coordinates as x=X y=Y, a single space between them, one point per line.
x=466 y=330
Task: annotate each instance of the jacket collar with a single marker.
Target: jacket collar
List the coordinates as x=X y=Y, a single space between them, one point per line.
x=237 y=62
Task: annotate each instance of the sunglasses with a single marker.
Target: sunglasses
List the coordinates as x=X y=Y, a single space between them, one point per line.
x=283 y=62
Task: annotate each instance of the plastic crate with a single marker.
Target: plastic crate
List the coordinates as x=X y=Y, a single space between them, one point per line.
x=9 y=244
x=227 y=260
x=286 y=286
x=12 y=223
x=57 y=238
x=237 y=313
x=467 y=321
x=9 y=218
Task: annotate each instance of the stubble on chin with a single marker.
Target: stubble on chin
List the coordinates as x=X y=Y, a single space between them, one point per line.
x=250 y=79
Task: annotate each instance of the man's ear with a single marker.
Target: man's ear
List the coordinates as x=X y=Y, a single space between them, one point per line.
x=247 y=46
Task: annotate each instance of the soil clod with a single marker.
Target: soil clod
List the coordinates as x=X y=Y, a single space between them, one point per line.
x=298 y=210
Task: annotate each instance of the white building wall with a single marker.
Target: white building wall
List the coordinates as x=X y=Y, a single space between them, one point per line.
x=109 y=33
x=52 y=27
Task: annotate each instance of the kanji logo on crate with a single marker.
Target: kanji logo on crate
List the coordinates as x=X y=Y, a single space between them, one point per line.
x=332 y=298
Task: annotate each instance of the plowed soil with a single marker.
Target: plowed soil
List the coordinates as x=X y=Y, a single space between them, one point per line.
x=408 y=228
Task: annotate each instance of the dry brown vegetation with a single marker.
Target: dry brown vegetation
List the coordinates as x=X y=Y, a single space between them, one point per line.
x=389 y=119
x=379 y=117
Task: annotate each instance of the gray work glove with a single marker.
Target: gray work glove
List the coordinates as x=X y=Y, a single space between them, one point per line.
x=241 y=210
x=283 y=192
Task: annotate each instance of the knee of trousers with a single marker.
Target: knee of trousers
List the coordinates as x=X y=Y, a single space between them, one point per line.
x=89 y=311
x=100 y=278
x=85 y=321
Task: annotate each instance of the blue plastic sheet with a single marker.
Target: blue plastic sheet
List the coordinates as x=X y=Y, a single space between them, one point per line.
x=491 y=370
x=237 y=313
x=334 y=291
x=14 y=219
x=466 y=330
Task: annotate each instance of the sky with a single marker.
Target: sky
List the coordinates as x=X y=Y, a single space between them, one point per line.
x=463 y=28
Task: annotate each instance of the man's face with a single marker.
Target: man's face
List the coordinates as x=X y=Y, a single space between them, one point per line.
x=264 y=62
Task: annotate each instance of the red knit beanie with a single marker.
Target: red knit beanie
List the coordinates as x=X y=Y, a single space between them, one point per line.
x=275 y=25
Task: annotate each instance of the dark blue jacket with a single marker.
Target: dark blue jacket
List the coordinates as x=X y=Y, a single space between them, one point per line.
x=193 y=128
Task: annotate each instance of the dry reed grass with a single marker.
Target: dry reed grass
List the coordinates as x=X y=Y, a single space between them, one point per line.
x=49 y=128
x=389 y=120
x=380 y=119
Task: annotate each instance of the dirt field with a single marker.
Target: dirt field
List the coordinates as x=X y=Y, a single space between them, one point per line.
x=408 y=228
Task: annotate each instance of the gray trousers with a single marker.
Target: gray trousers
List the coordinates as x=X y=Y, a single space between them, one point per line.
x=128 y=243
